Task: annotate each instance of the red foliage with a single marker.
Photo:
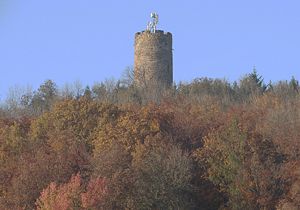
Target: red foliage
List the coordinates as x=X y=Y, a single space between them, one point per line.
x=72 y=195
x=94 y=197
x=64 y=197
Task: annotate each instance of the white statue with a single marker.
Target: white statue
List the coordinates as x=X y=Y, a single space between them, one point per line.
x=151 y=26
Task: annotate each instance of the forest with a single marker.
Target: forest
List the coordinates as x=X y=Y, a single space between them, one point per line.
x=204 y=144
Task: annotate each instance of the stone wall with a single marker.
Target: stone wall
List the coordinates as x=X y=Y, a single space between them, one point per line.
x=153 y=59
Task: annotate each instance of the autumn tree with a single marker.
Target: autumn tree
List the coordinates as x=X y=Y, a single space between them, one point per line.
x=42 y=99
x=74 y=195
x=162 y=177
x=250 y=85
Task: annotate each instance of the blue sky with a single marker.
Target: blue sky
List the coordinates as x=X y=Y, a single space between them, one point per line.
x=91 y=40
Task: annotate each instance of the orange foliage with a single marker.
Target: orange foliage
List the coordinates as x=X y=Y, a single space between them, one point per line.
x=218 y=152
x=73 y=196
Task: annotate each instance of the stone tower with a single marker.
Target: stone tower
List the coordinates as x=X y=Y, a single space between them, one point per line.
x=153 y=58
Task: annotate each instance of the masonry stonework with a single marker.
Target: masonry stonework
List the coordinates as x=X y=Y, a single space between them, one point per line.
x=153 y=59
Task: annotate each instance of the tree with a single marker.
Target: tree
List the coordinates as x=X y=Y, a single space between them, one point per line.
x=87 y=93
x=43 y=99
x=96 y=194
x=251 y=85
x=79 y=116
x=64 y=197
x=73 y=195
x=53 y=158
x=294 y=84
x=132 y=126
x=15 y=103
x=244 y=165
x=127 y=77
x=162 y=174
x=224 y=154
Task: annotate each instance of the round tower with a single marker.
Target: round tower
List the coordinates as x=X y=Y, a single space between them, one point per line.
x=153 y=59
